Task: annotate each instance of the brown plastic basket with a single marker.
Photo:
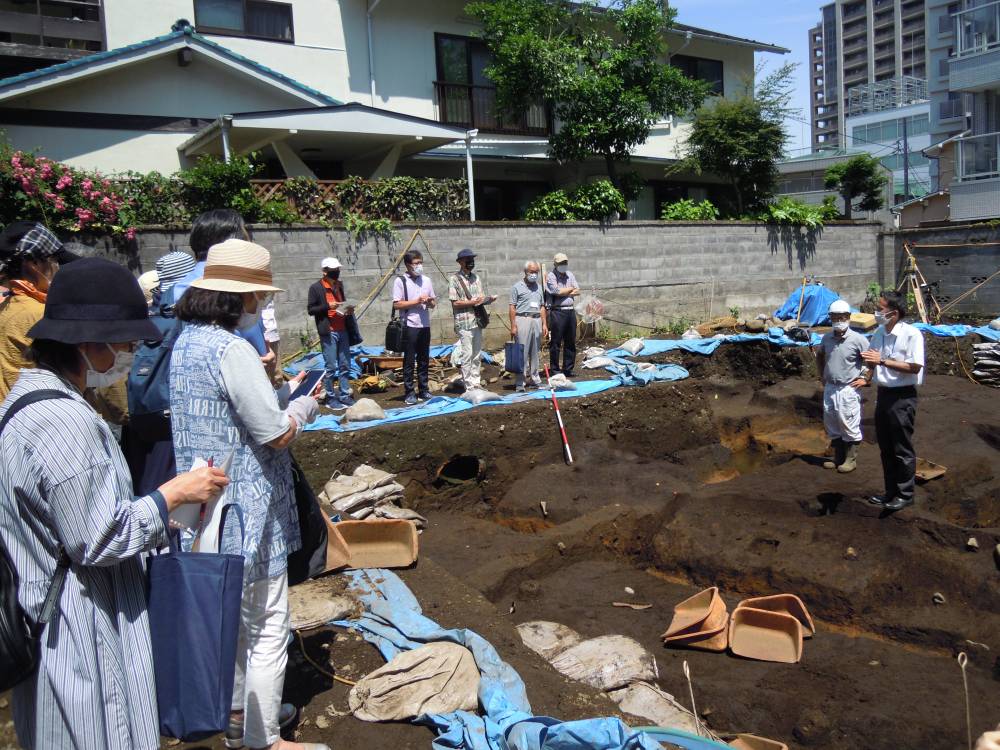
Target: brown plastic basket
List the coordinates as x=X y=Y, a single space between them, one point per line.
x=787 y=603
x=379 y=543
x=753 y=742
x=765 y=636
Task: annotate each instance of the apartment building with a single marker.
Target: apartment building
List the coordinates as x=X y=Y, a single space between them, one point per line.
x=327 y=88
x=39 y=33
x=964 y=57
x=859 y=42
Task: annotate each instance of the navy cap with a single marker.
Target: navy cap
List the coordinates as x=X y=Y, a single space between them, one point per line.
x=466 y=253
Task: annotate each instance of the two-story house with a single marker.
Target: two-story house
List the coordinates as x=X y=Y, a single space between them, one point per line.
x=324 y=88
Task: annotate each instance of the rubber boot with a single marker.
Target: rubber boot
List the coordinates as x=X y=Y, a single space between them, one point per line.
x=850 y=462
x=838 y=454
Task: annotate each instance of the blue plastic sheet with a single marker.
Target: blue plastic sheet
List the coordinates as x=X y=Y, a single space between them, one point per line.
x=815 y=307
x=631 y=373
x=393 y=622
x=659 y=346
x=361 y=354
x=447 y=405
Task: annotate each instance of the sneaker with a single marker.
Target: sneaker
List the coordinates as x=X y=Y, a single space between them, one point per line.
x=346 y=400
x=425 y=396
x=411 y=399
x=234 y=734
x=335 y=404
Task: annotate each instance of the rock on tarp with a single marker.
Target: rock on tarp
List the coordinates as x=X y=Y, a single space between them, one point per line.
x=815 y=307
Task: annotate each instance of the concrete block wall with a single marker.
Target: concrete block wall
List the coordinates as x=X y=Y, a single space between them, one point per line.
x=953 y=260
x=647 y=273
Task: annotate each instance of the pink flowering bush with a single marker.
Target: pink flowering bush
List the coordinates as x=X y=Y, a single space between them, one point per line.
x=62 y=197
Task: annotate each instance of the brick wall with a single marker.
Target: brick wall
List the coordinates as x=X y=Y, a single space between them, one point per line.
x=647 y=273
x=960 y=260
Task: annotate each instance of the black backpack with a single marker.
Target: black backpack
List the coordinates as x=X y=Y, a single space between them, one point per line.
x=18 y=635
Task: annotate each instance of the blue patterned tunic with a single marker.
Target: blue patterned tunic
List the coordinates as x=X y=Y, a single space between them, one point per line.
x=63 y=479
x=205 y=425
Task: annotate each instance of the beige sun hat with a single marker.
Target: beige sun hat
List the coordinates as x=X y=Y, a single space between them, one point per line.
x=560 y=258
x=237 y=266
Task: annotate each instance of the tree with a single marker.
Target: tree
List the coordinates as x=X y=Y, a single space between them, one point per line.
x=861 y=175
x=602 y=71
x=741 y=139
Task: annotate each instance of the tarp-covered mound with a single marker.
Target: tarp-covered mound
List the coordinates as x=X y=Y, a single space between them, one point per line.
x=818 y=299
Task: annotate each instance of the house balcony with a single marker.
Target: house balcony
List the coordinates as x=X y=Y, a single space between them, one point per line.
x=475 y=107
x=976 y=65
x=48 y=31
x=978 y=157
x=975 y=200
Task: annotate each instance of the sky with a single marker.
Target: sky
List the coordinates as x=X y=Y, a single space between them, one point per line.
x=786 y=24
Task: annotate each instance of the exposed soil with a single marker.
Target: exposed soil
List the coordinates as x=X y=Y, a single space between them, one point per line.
x=716 y=480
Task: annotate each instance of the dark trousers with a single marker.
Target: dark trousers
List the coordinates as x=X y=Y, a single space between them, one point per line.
x=895 y=415
x=562 y=328
x=416 y=348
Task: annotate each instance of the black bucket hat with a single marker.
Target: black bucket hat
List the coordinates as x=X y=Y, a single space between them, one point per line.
x=95 y=300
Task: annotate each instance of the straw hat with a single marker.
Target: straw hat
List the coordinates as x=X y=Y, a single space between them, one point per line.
x=237 y=266
x=148 y=282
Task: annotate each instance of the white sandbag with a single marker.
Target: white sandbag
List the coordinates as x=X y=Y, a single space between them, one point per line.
x=374 y=477
x=364 y=410
x=597 y=363
x=547 y=639
x=988 y=347
x=606 y=662
x=477 y=396
x=657 y=707
x=691 y=334
x=633 y=346
x=364 y=478
x=438 y=678
x=560 y=382
x=995 y=324
x=391 y=510
x=351 y=503
x=594 y=351
x=987 y=364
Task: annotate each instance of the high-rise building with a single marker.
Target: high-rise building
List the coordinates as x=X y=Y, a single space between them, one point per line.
x=44 y=32
x=859 y=42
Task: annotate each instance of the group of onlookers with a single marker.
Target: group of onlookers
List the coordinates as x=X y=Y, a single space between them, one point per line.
x=535 y=310
x=68 y=497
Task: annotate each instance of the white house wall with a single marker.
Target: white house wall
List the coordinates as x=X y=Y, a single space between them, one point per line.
x=107 y=151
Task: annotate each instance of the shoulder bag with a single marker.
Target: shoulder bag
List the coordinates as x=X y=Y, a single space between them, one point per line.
x=395 y=336
x=482 y=314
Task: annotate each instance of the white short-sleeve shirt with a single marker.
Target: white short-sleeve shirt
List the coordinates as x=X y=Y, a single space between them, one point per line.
x=904 y=344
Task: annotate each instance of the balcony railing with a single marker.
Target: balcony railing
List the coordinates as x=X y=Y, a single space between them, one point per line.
x=73 y=24
x=978 y=29
x=978 y=157
x=476 y=107
x=950 y=109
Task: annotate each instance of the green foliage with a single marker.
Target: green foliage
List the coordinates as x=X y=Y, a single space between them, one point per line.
x=734 y=312
x=277 y=212
x=742 y=139
x=212 y=183
x=674 y=327
x=361 y=228
x=631 y=185
x=861 y=176
x=791 y=212
x=688 y=210
x=599 y=70
x=594 y=201
x=151 y=198
x=829 y=209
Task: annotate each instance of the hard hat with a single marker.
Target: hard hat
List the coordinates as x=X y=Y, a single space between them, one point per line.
x=839 y=306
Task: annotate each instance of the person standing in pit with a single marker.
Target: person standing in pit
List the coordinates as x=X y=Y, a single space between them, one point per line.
x=896 y=361
x=528 y=323
x=841 y=372
x=561 y=286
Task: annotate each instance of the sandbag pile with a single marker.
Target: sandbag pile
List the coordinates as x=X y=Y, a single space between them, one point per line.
x=368 y=493
x=986 y=367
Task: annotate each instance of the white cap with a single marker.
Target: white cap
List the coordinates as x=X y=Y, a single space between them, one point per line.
x=330 y=263
x=839 y=306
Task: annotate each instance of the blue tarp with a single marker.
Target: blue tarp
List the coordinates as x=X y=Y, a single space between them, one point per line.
x=774 y=335
x=393 y=622
x=948 y=331
x=360 y=354
x=815 y=307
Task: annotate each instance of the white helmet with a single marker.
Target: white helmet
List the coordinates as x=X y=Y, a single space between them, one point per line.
x=839 y=306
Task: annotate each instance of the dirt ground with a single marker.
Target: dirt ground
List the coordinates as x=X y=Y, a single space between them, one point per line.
x=716 y=480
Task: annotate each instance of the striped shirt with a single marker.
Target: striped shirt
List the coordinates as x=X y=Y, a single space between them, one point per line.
x=63 y=480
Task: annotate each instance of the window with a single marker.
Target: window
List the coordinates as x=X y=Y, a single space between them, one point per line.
x=701 y=69
x=256 y=19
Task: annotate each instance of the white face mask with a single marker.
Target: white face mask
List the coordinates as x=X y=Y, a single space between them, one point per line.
x=418 y=269
x=248 y=321
x=561 y=268
x=118 y=371
x=841 y=326
x=881 y=318
x=532 y=278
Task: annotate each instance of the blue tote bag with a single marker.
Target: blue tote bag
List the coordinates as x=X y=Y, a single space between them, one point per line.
x=513 y=357
x=194 y=622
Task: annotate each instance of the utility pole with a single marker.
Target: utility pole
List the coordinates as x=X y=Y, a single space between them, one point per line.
x=906 y=163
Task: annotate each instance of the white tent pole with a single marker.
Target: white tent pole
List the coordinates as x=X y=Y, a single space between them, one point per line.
x=468 y=172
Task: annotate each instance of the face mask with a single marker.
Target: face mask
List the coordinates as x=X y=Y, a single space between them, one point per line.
x=470 y=265
x=561 y=268
x=881 y=318
x=118 y=371
x=418 y=269
x=532 y=278
x=333 y=274
x=841 y=326
x=248 y=321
